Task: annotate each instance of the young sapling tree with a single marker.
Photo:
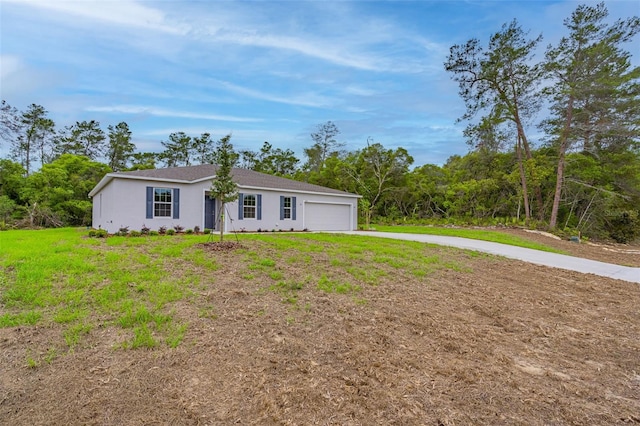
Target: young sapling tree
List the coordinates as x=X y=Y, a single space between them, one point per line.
x=223 y=188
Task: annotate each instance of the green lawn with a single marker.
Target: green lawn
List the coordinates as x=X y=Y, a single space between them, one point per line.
x=475 y=234
x=59 y=276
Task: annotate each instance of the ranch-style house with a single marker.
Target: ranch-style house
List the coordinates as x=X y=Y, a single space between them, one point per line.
x=181 y=196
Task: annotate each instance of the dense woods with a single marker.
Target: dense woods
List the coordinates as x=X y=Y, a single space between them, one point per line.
x=583 y=175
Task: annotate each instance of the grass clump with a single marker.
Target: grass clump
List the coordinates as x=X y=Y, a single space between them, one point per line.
x=175 y=335
x=20 y=318
x=142 y=338
x=70 y=314
x=333 y=286
x=73 y=334
x=289 y=290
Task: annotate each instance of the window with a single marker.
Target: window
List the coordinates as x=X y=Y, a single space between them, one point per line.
x=249 y=206
x=286 y=208
x=162 y=202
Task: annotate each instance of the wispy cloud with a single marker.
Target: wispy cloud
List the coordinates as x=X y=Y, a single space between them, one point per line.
x=369 y=46
x=309 y=99
x=338 y=33
x=122 y=12
x=321 y=50
x=359 y=90
x=160 y=112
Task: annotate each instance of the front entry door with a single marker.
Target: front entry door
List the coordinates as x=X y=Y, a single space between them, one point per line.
x=209 y=212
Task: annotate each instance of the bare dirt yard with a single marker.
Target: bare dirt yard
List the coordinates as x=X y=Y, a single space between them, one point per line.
x=494 y=342
x=619 y=254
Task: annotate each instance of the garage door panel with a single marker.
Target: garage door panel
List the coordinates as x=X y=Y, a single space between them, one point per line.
x=327 y=217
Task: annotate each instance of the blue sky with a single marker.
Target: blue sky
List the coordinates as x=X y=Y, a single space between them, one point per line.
x=261 y=70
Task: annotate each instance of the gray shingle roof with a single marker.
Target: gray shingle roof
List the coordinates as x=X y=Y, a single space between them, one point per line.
x=242 y=177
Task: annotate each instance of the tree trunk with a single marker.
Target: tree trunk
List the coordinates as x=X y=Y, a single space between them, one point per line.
x=523 y=179
x=562 y=150
x=221 y=221
x=27 y=161
x=529 y=156
x=559 y=181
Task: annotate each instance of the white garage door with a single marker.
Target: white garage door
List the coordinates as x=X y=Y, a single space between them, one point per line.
x=327 y=217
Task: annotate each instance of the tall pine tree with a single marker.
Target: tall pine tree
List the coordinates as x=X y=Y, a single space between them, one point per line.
x=501 y=83
x=596 y=92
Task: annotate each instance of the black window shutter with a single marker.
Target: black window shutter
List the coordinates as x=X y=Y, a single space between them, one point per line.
x=281 y=207
x=240 y=206
x=293 y=208
x=176 y=203
x=259 y=206
x=149 y=202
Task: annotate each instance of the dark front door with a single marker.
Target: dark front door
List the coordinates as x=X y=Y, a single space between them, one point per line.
x=209 y=212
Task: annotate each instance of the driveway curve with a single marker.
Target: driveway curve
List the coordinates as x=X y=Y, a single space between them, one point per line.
x=554 y=260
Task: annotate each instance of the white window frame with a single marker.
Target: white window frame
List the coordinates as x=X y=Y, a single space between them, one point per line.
x=158 y=203
x=287 y=211
x=247 y=207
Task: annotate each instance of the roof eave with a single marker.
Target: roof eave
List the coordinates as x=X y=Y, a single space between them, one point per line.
x=300 y=191
x=103 y=182
x=110 y=176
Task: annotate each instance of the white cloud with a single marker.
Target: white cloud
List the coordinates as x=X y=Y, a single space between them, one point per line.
x=367 y=46
x=307 y=99
x=359 y=90
x=10 y=65
x=19 y=81
x=346 y=35
x=161 y=112
x=316 y=49
x=120 y=12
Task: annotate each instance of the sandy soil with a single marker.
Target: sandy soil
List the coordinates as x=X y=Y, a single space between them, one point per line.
x=501 y=342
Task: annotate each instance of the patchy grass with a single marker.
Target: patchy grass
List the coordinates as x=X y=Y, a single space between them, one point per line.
x=336 y=286
x=60 y=277
x=300 y=328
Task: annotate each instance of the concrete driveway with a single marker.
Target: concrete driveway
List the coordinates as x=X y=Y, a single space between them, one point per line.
x=561 y=261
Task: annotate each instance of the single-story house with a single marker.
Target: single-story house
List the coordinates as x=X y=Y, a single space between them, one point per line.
x=181 y=196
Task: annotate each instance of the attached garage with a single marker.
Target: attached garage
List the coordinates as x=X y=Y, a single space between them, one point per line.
x=320 y=216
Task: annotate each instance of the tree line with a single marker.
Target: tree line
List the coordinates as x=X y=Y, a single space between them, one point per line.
x=592 y=94
x=583 y=175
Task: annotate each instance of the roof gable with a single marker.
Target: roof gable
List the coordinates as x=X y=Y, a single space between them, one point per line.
x=242 y=177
